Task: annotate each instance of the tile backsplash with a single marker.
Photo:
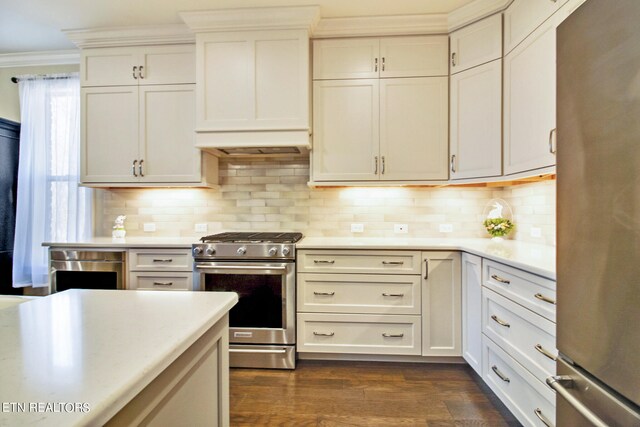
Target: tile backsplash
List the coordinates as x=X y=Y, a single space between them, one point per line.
x=272 y=194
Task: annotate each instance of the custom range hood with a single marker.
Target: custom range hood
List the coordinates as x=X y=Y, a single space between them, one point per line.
x=253 y=79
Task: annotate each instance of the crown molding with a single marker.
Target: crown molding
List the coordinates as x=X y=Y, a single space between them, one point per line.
x=131 y=36
x=31 y=59
x=382 y=26
x=261 y=18
x=474 y=11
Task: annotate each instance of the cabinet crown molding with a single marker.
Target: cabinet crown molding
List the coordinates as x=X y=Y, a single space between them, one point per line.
x=131 y=36
x=262 y=18
x=30 y=59
x=474 y=11
x=382 y=26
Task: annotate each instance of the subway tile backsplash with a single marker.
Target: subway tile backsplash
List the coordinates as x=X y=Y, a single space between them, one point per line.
x=272 y=194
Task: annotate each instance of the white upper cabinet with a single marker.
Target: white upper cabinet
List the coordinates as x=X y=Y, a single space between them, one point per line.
x=138 y=65
x=476 y=44
x=366 y=58
x=524 y=16
x=253 y=80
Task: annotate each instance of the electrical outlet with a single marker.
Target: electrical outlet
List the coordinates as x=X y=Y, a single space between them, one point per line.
x=149 y=226
x=357 y=228
x=536 y=232
x=201 y=228
x=446 y=228
x=400 y=228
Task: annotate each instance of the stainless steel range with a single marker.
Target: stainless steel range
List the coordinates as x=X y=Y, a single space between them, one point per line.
x=260 y=267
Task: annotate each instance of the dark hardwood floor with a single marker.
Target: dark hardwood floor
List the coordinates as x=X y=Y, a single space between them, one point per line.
x=327 y=393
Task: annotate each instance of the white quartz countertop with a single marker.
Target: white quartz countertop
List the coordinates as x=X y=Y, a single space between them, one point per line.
x=129 y=242
x=94 y=348
x=537 y=259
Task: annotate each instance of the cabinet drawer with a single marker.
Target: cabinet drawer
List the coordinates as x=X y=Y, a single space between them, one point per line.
x=356 y=333
x=160 y=259
x=161 y=281
x=359 y=293
x=332 y=261
x=520 y=391
x=523 y=334
x=533 y=292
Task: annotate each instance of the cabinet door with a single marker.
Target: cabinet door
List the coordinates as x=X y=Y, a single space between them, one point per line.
x=413 y=128
x=174 y=64
x=167 y=146
x=256 y=80
x=109 y=134
x=472 y=311
x=108 y=66
x=476 y=122
x=441 y=304
x=524 y=16
x=346 y=59
x=422 y=56
x=530 y=101
x=346 y=138
x=476 y=44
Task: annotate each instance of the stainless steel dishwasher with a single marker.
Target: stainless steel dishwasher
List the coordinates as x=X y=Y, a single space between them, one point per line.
x=86 y=269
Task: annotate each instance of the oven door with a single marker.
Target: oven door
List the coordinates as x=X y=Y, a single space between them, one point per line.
x=265 y=313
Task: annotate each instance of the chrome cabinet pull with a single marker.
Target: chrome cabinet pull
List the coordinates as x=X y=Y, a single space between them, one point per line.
x=560 y=384
x=133 y=168
x=163 y=260
x=383 y=63
x=500 y=279
x=386 y=335
x=500 y=375
x=426 y=268
x=322 y=261
x=382 y=165
x=453 y=59
x=324 y=293
x=375 y=160
x=552 y=149
x=163 y=283
x=544 y=352
x=140 y=72
x=376 y=65
x=384 y=294
x=542 y=418
x=135 y=68
x=393 y=262
x=500 y=321
x=322 y=334
x=545 y=299
x=140 y=167
x=453 y=163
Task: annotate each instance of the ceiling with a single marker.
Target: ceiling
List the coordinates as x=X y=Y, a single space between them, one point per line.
x=35 y=25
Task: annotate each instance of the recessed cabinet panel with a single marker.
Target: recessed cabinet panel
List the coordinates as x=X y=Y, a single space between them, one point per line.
x=108 y=67
x=476 y=122
x=476 y=44
x=413 y=128
x=168 y=65
x=414 y=56
x=346 y=130
x=345 y=59
x=109 y=133
x=522 y=17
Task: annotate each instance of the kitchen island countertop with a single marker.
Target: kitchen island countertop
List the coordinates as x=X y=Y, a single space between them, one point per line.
x=78 y=357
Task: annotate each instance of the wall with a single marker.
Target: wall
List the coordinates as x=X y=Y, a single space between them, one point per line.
x=9 y=99
x=267 y=194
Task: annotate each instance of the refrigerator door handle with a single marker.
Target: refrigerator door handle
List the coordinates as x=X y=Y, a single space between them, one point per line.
x=560 y=384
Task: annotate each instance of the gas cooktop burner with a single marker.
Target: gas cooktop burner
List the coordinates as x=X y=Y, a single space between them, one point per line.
x=250 y=237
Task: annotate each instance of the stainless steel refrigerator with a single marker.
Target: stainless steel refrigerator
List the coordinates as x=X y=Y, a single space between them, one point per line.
x=598 y=177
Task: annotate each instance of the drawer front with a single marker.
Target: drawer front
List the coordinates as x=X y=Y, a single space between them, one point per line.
x=356 y=333
x=160 y=259
x=527 y=337
x=520 y=391
x=336 y=261
x=358 y=293
x=533 y=292
x=161 y=281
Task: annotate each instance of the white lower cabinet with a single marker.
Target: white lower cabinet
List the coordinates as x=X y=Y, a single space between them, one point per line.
x=160 y=281
x=160 y=269
x=472 y=311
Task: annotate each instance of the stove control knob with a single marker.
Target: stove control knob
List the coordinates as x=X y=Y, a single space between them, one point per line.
x=285 y=251
x=273 y=251
x=242 y=250
x=210 y=251
x=197 y=251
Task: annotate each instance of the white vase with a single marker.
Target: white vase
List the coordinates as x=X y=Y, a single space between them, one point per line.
x=119 y=233
x=497 y=239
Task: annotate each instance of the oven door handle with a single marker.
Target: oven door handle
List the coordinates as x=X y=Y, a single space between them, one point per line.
x=239 y=268
x=242 y=350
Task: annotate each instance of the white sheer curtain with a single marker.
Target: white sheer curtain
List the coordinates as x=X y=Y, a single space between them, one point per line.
x=50 y=205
